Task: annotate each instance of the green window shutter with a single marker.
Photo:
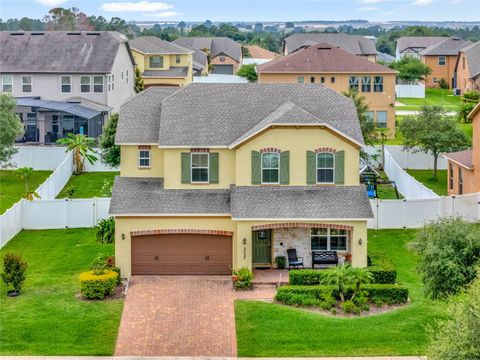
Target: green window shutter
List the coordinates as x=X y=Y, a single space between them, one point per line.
x=186 y=168
x=340 y=167
x=256 y=168
x=213 y=168
x=311 y=168
x=285 y=167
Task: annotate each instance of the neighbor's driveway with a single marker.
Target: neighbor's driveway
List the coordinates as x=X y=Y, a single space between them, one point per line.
x=178 y=316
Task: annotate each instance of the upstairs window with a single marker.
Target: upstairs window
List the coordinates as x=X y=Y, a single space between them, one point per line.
x=270 y=168
x=332 y=79
x=325 y=168
x=98 y=84
x=26 y=83
x=85 y=84
x=353 y=83
x=66 y=84
x=312 y=79
x=382 y=119
x=378 y=84
x=442 y=60
x=460 y=181
x=200 y=163
x=156 y=61
x=7 y=83
x=450 y=177
x=366 y=84
x=322 y=79
x=300 y=79
x=144 y=158
x=178 y=59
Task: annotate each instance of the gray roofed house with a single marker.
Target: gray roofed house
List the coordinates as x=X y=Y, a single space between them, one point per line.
x=354 y=44
x=449 y=46
x=472 y=55
x=412 y=45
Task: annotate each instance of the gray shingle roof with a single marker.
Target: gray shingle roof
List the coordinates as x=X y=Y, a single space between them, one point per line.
x=59 y=51
x=472 y=53
x=355 y=44
x=450 y=46
x=300 y=202
x=406 y=42
x=155 y=45
x=145 y=196
x=139 y=117
x=174 y=71
x=217 y=45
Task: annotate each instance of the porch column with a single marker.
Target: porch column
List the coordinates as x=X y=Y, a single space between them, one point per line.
x=41 y=127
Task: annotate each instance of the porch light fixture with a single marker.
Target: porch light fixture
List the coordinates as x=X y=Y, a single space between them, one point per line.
x=123 y=236
x=244 y=241
x=360 y=241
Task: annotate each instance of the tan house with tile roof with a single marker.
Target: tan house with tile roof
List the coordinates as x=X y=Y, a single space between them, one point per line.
x=467 y=68
x=464 y=166
x=257 y=52
x=339 y=70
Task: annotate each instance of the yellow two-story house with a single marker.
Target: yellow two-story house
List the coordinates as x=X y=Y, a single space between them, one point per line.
x=215 y=177
x=162 y=63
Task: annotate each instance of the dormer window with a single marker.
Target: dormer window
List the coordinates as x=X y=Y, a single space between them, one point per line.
x=325 y=168
x=270 y=168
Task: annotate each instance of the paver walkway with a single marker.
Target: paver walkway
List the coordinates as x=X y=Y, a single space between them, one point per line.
x=178 y=316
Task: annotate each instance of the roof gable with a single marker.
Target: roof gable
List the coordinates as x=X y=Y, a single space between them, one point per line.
x=450 y=46
x=155 y=45
x=216 y=45
x=418 y=42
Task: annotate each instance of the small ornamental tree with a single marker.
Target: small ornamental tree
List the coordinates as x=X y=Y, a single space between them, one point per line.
x=82 y=148
x=110 y=153
x=139 y=85
x=13 y=274
x=10 y=128
x=410 y=69
x=248 y=72
x=432 y=132
x=25 y=174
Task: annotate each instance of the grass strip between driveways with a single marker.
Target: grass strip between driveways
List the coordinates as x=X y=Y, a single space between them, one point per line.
x=47 y=318
x=272 y=330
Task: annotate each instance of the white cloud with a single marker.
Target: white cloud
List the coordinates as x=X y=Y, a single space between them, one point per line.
x=51 y=2
x=422 y=2
x=370 y=1
x=388 y=13
x=135 y=6
x=368 y=8
x=165 y=14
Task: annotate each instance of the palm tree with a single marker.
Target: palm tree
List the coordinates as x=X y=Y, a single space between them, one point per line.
x=341 y=277
x=25 y=174
x=360 y=277
x=82 y=148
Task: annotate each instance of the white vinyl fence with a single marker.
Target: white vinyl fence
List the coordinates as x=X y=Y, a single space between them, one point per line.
x=415 y=90
x=408 y=159
x=51 y=187
x=408 y=186
x=11 y=222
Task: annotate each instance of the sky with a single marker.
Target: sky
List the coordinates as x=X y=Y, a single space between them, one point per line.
x=255 y=10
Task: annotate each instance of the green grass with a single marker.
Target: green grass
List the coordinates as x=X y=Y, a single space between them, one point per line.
x=387 y=191
x=47 y=318
x=467 y=129
x=432 y=97
x=265 y=329
x=87 y=185
x=12 y=187
x=438 y=185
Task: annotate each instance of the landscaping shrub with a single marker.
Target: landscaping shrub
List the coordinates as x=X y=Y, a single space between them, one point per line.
x=93 y=286
x=443 y=84
x=280 y=261
x=305 y=277
x=242 y=278
x=386 y=293
x=320 y=296
x=349 y=307
x=105 y=230
x=382 y=269
x=14 y=268
x=449 y=253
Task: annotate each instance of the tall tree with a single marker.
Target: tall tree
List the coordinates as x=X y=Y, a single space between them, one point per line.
x=411 y=69
x=366 y=123
x=10 y=128
x=433 y=132
x=110 y=153
x=82 y=148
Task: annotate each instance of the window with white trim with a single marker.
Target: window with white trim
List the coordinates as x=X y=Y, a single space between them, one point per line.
x=442 y=60
x=378 y=84
x=26 y=83
x=66 y=84
x=199 y=168
x=382 y=119
x=98 y=84
x=85 y=83
x=366 y=84
x=329 y=239
x=144 y=158
x=270 y=168
x=7 y=83
x=325 y=168
x=353 y=83
x=156 y=61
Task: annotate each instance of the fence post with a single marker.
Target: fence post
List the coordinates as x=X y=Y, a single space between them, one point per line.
x=95 y=207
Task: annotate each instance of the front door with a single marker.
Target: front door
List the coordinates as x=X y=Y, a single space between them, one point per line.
x=262 y=247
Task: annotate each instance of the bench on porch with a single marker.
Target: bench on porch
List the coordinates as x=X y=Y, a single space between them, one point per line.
x=322 y=257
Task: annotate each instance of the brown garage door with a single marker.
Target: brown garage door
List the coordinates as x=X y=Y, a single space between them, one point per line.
x=181 y=254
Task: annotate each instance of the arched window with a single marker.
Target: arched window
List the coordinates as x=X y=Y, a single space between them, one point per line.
x=270 y=168
x=325 y=168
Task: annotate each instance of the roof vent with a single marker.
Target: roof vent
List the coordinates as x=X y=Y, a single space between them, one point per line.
x=93 y=33
x=74 y=33
x=324 y=48
x=37 y=33
x=17 y=33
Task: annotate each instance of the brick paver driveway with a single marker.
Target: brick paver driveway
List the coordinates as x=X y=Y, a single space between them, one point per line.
x=178 y=316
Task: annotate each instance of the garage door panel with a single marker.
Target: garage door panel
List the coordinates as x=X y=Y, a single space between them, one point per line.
x=187 y=254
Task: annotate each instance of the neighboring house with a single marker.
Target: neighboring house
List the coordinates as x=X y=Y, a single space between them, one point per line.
x=464 y=166
x=339 y=70
x=65 y=81
x=467 y=68
x=354 y=44
x=442 y=58
x=413 y=45
x=258 y=55
x=161 y=62
x=215 y=177
x=225 y=54
x=385 y=58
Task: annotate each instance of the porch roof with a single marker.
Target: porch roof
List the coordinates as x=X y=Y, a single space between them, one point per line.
x=73 y=108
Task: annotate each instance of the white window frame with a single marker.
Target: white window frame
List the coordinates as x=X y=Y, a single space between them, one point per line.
x=126 y=76
x=10 y=84
x=329 y=240
x=369 y=83
x=380 y=83
x=89 y=84
x=140 y=157
x=61 y=84
x=353 y=81
x=161 y=62
x=386 y=121
x=262 y=168
x=200 y=167
x=103 y=84
x=317 y=168
x=22 y=83
x=442 y=58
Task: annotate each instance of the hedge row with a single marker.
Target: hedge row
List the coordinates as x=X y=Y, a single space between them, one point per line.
x=376 y=293
x=94 y=286
x=382 y=269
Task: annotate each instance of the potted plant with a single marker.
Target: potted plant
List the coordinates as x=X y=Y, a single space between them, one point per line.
x=281 y=262
x=13 y=273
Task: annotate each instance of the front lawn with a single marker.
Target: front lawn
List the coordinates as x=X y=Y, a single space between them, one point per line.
x=47 y=319
x=438 y=185
x=272 y=330
x=12 y=187
x=87 y=185
x=439 y=97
